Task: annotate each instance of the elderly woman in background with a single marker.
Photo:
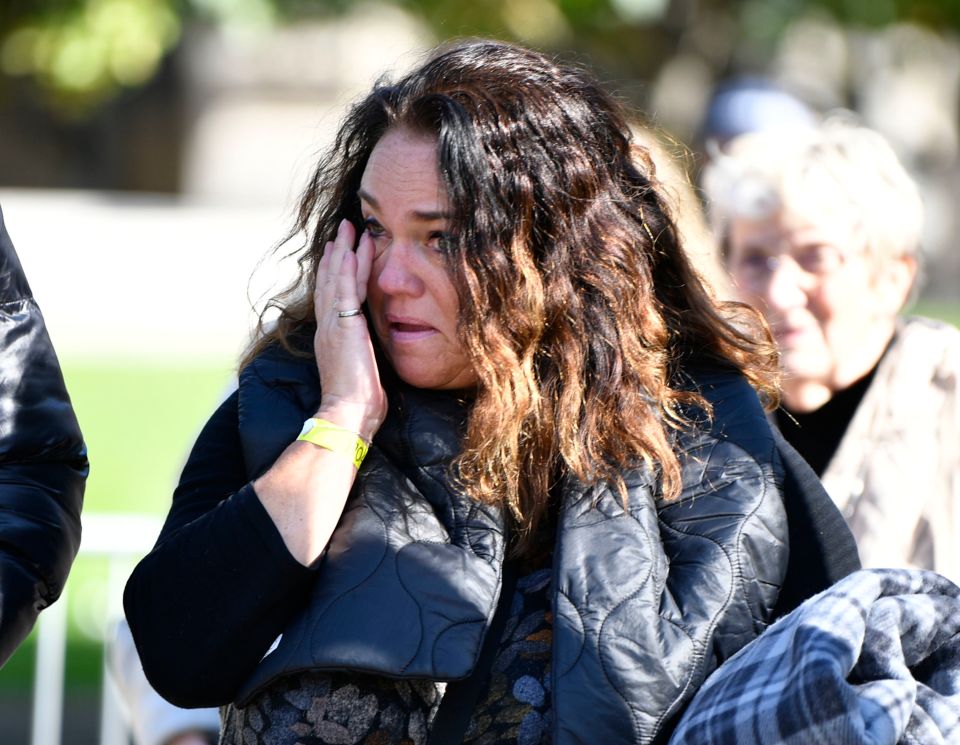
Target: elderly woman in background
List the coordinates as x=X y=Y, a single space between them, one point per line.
x=820 y=230
x=534 y=460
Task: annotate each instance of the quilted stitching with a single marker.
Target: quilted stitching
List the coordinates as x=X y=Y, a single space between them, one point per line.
x=419 y=609
x=648 y=599
x=677 y=581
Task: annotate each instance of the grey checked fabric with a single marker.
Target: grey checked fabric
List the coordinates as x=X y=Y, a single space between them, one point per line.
x=874 y=660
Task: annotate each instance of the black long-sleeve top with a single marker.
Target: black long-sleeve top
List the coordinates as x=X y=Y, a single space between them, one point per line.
x=220 y=585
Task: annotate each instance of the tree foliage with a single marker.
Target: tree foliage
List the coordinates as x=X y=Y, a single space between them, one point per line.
x=80 y=53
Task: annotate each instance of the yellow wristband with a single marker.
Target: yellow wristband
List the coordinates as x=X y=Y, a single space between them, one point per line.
x=335 y=439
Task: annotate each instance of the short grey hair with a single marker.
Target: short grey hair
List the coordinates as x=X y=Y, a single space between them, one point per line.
x=838 y=165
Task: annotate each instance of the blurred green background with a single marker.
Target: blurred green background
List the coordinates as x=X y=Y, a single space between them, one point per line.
x=137 y=445
x=206 y=114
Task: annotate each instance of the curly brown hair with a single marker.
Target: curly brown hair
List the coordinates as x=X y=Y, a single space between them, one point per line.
x=578 y=306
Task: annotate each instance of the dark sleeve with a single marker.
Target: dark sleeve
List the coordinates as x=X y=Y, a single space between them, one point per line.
x=43 y=460
x=822 y=548
x=220 y=585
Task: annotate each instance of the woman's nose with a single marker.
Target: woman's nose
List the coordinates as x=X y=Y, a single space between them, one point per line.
x=398 y=274
x=784 y=288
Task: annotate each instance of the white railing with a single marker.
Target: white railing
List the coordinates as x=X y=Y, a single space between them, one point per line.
x=118 y=538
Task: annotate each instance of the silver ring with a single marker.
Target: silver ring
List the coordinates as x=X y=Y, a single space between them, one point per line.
x=349 y=313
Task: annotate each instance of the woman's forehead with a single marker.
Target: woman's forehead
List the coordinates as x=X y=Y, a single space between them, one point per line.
x=403 y=166
x=806 y=225
x=820 y=203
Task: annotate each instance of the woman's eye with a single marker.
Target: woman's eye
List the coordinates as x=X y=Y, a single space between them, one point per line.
x=819 y=259
x=374 y=228
x=755 y=262
x=442 y=242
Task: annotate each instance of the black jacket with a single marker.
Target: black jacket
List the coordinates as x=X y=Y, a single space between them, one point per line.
x=647 y=599
x=43 y=461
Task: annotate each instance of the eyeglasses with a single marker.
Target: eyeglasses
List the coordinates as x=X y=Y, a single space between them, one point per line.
x=755 y=268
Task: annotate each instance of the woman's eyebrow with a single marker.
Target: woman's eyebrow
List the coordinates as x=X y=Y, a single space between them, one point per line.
x=421 y=215
x=365 y=197
x=431 y=216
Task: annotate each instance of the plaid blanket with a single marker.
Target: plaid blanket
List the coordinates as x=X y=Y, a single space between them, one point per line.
x=875 y=659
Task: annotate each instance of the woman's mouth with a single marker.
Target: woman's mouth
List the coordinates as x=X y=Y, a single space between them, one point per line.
x=409 y=330
x=790 y=335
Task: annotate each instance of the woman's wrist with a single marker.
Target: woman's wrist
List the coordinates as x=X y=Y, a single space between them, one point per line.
x=350 y=416
x=337 y=439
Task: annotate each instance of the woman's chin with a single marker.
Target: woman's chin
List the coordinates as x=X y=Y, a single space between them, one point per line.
x=434 y=376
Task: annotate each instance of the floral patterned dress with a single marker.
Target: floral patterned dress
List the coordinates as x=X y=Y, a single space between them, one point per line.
x=349 y=709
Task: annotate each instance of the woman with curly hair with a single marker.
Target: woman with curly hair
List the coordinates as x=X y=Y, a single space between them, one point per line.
x=500 y=472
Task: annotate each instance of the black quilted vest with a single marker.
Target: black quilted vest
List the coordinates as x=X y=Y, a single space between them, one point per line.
x=647 y=600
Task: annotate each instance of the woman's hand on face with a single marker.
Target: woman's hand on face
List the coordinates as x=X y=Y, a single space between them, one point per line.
x=352 y=394
x=305 y=491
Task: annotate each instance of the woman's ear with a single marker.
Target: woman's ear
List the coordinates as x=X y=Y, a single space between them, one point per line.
x=895 y=281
